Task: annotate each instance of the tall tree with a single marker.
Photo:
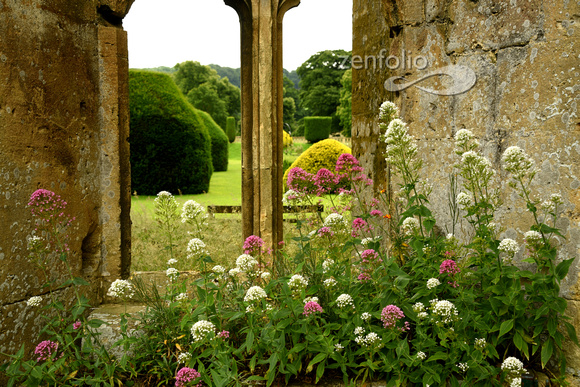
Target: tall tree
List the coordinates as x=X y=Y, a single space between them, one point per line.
x=344 y=110
x=320 y=84
x=207 y=91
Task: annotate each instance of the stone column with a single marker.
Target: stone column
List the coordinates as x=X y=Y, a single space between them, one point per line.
x=261 y=30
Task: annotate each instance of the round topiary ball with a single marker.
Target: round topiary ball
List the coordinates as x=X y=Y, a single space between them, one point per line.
x=323 y=154
x=170 y=145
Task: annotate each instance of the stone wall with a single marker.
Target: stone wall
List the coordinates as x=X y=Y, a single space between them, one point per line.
x=63 y=127
x=526 y=56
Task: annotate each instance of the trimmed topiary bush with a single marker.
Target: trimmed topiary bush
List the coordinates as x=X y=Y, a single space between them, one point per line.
x=317 y=128
x=231 y=129
x=170 y=145
x=323 y=154
x=219 y=143
x=287 y=139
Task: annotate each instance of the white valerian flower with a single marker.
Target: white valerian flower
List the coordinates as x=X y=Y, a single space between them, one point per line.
x=516 y=382
x=183 y=357
x=34 y=301
x=329 y=283
x=492 y=227
x=463 y=137
x=327 y=265
x=432 y=283
x=193 y=212
x=359 y=331
x=548 y=206
x=532 y=236
x=410 y=225
x=297 y=283
x=255 y=293
x=334 y=220
x=246 y=263
x=195 y=248
x=463 y=366
x=366 y=241
x=388 y=111
x=34 y=243
x=421 y=355
x=218 y=269
x=345 y=300
x=172 y=273
x=181 y=297
x=201 y=329
x=418 y=307
x=121 y=289
x=517 y=162
x=171 y=262
x=372 y=339
x=365 y=316
x=508 y=246
x=464 y=200
x=445 y=310
x=400 y=145
x=234 y=272
x=480 y=343
x=422 y=315
x=310 y=299
x=338 y=347
x=265 y=275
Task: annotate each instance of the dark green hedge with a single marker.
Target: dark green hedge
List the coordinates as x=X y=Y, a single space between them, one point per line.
x=317 y=128
x=170 y=146
x=231 y=129
x=220 y=145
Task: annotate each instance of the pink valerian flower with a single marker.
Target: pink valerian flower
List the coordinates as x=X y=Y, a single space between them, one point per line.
x=48 y=211
x=370 y=256
x=325 y=182
x=301 y=181
x=185 y=376
x=347 y=163
x=449 y=254
x=325 y=232
x=311 y=308
x=449 y=266
x=364 y=277
x=224 y=334
x=390 y=315
x=359 y=225
x=253 y=244
x=376 y=213
x=77 y=324
x=46 y=350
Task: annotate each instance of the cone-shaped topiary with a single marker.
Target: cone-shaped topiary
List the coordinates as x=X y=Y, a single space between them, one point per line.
x=323 y=154
x=219 y=143
x=231 y=129
x=170 y=146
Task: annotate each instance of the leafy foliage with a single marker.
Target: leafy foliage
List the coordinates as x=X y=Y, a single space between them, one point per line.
x=317 y=128
x=170 y=145
x=231 y=129
x=320 y=84
x=344 y=110
x=219 y=143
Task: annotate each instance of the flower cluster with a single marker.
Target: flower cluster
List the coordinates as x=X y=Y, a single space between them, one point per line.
x=183 y=357
x=246 y=263
x=185 y=376
x=365 y=316
x=401 y=147
x=480 y=343
x=201 y=329
x=344 y=301
x=335 y=221
x=367 y=241
x=255 y=293
x=194 y=213
x=77 y=325
x=121 y=289
x=463 y=366
x=359 y=226
x=432 y=283
x=388 y=111
x=370 y=256
x=172 y=273
x=196 y=248
x=514 y=369
x=311 y=308
x=329 y=283
x=253 y=245
x=509 y=246
x=48 y=210
x=518 y=163
x=410 y=226
x=297 y=283
x=445 y=310
x=464 y=200
x=532 y=236
x=34 y=301
x=224 y=335
x=370 y=340
x=327 y=265
x=390 y=315
x=464 y=141
x=46 y=350
x=421 y=355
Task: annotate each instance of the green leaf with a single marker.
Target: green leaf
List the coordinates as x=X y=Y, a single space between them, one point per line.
x=547 y=349
x=80 y=281
x=320 y=371
x=437 y=356
x=317 y=359
x=505 y=327
x=429 y=224
x=249 y=340
x=562 y=268
x=96 y=323
x=571 y=332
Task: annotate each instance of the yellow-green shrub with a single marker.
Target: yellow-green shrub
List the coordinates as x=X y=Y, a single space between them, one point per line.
x=323 y=154
x=287 y=139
